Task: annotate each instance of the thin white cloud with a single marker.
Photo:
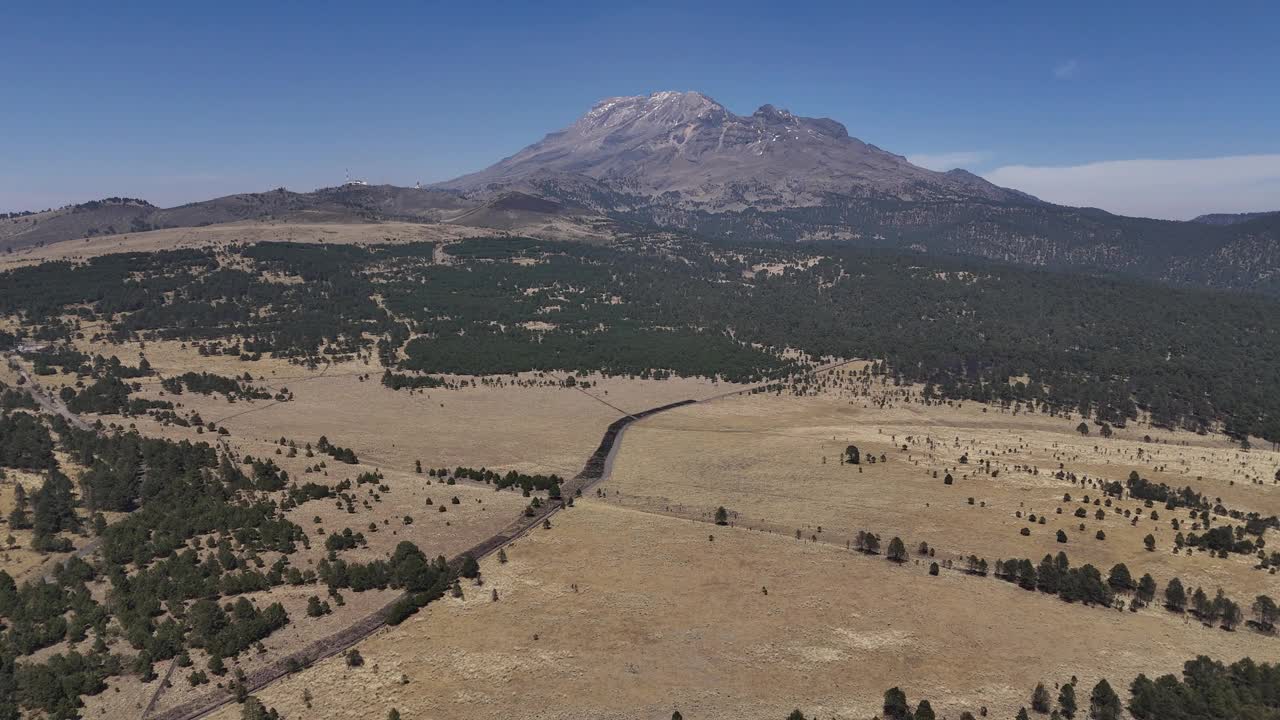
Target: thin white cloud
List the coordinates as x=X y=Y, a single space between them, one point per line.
x=1174 y=189
x=1066 y=69
x=950 y=160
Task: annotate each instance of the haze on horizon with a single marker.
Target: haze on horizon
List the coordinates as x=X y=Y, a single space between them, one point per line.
x=1158 y=111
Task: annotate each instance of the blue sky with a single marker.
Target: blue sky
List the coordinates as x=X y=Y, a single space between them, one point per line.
x=177 y=102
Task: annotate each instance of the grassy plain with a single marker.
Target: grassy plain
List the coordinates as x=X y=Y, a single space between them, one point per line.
x=525 y=424
x=628 y=608
x=528 y=424
x=633 y=605
x=247 y=232
x=665 y=619
x=762 y=457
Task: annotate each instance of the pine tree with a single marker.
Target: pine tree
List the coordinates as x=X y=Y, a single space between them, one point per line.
x=53 y=506
x=895 y=704
x=470 y=568
x=1147 y=588
x=1175 y=598
x=854 y=457
x=1200 y=603
x=897 y=551
x=1067 y=700
x=19 y=519
x=1120 y=579
x=1266 y=611
x=1104 y=704
x=1040 y=700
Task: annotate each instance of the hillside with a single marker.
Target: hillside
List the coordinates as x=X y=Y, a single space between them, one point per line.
x=1232 y=218
x=692 y=152
x=344 y=204
x=682 y=161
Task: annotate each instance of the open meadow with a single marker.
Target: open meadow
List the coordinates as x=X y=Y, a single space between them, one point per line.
x=615 y=613
x=529 y=423
x=775 y=463
x=634 y=604
x=215 y=236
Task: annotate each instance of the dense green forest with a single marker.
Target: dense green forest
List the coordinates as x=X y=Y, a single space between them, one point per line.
x=1193 y=359
x=1209 y=690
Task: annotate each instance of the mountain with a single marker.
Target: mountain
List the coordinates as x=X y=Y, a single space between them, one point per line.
x=1232 y=218
x=682 y=161
x=689 y=151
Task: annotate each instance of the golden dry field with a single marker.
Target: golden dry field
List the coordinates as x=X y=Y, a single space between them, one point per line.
x=762 y=458
x=634 y=605
x=19 y=559
x=665 y=619
x=528 y=423
x=212 y=236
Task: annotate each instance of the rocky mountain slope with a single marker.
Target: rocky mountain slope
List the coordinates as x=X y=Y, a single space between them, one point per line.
x=683 y=161
x=689 y=151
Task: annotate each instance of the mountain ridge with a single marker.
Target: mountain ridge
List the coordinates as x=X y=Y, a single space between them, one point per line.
x=682 y=162
x=1232 y=218
x=689 y=150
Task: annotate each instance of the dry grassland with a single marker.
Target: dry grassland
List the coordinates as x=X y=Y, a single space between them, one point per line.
x=20 y=560
x=480 y=513
x=241 y=232
x=531 y=429
x=126 y=695
x=761 y=457
x=664 y=619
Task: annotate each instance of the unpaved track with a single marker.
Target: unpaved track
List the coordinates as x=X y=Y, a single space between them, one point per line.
x=48 y=402
x=596 y=469
x=53 y=406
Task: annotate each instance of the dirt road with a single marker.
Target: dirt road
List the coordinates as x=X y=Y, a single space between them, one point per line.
x=43 y=398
